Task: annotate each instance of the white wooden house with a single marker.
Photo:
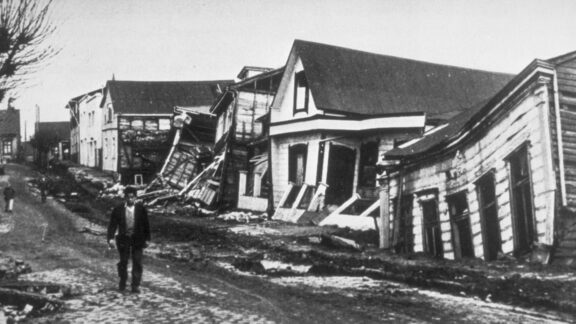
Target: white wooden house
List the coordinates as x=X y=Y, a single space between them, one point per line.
x=497 y=179
x=86 y=128
x=337 y=110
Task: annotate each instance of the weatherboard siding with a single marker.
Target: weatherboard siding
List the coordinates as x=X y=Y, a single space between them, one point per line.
x=523 y=123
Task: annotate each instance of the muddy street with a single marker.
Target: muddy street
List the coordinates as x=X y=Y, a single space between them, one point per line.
x=66 y=248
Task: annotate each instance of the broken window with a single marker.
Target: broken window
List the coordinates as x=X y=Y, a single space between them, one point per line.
x=522 y=202
x=297 y=163
x=486 y=188
x=301 y=92
x=461 y=228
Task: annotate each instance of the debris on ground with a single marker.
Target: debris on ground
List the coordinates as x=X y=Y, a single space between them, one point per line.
x=340 y=242
x=243 y=217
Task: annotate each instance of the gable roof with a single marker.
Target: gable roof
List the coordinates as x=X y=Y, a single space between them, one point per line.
x=61 y=129
x=160 y=97
x=9 y=122
x=351 y=81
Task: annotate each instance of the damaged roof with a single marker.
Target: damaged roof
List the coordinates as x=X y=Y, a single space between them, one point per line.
x=9 y=122
x=443 y=135
x=352 y=81
x=160 y=97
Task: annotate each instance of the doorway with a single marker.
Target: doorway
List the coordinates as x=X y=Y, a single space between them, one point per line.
x=486 y=188
x=461 y=228
x=432 y=231
x=340 y=178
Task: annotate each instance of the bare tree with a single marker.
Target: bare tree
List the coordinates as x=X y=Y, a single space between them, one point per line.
x=25 y=26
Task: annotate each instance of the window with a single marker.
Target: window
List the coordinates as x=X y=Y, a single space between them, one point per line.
x=164 y=124
x=137 y=124
x=461 y=228
x=138 y=179
x=110 y=113
x=301 y=92
x=7 y=147
x=486 y=188
x=297 y=163
x=521 y=201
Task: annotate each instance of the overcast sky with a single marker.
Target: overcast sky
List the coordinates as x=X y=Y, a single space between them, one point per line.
x=209 y=40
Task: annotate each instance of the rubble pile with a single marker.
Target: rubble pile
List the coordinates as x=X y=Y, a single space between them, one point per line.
x=11 y=268
x=21 y=299
x=243 y=217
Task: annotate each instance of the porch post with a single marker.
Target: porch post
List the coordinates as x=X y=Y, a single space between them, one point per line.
x=384 y=212
x=242 y=183
x=257 y=184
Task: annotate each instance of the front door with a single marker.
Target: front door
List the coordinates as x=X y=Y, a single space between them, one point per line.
x=340 y=177
x=461 y=228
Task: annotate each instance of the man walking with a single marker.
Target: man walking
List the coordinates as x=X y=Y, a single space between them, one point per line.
x=9 y=195
x=131 y=221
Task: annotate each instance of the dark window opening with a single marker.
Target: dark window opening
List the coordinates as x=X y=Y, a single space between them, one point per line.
x=405 y=241
x=301 y=92
x=486 y=188
x=461 y=227
x=432 y=230
x=522 y=202
x=368 y=160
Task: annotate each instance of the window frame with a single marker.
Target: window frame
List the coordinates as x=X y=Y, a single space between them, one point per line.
x=300 y=81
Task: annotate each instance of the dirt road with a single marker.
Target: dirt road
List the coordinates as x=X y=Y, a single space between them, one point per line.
x=48 y=236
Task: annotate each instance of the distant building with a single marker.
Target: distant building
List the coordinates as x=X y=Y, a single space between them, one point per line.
x=9 y=134
x=136 y=130
x=86 y=128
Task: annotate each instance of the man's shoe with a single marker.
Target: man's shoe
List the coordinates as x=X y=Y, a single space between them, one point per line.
x=122 y=287
x=135 y=290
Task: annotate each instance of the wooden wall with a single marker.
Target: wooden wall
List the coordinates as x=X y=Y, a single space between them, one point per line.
x=523 y=122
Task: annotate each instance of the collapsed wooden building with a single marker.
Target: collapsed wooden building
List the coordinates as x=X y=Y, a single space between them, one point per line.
x=137 y=130
x=499 y=178
x=236 y=175
x=337 y=110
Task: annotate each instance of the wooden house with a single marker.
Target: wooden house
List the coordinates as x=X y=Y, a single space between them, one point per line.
x=337 y=110
x=498 y=179
x=9 y=134
x=86 y=128
x=238 y=176
x=136 y=131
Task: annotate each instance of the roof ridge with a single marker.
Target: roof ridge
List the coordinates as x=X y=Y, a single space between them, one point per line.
x=399 y=57
x=172 y=81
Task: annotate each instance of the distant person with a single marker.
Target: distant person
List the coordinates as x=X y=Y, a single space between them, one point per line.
x=131 y=221
x=9 y=195
x=43 y=186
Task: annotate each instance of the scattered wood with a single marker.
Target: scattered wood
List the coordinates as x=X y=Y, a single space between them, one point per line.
x=21 y=299
x=337 y=241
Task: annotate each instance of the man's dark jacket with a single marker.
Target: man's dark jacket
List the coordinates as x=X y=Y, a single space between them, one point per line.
x=141 y=226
